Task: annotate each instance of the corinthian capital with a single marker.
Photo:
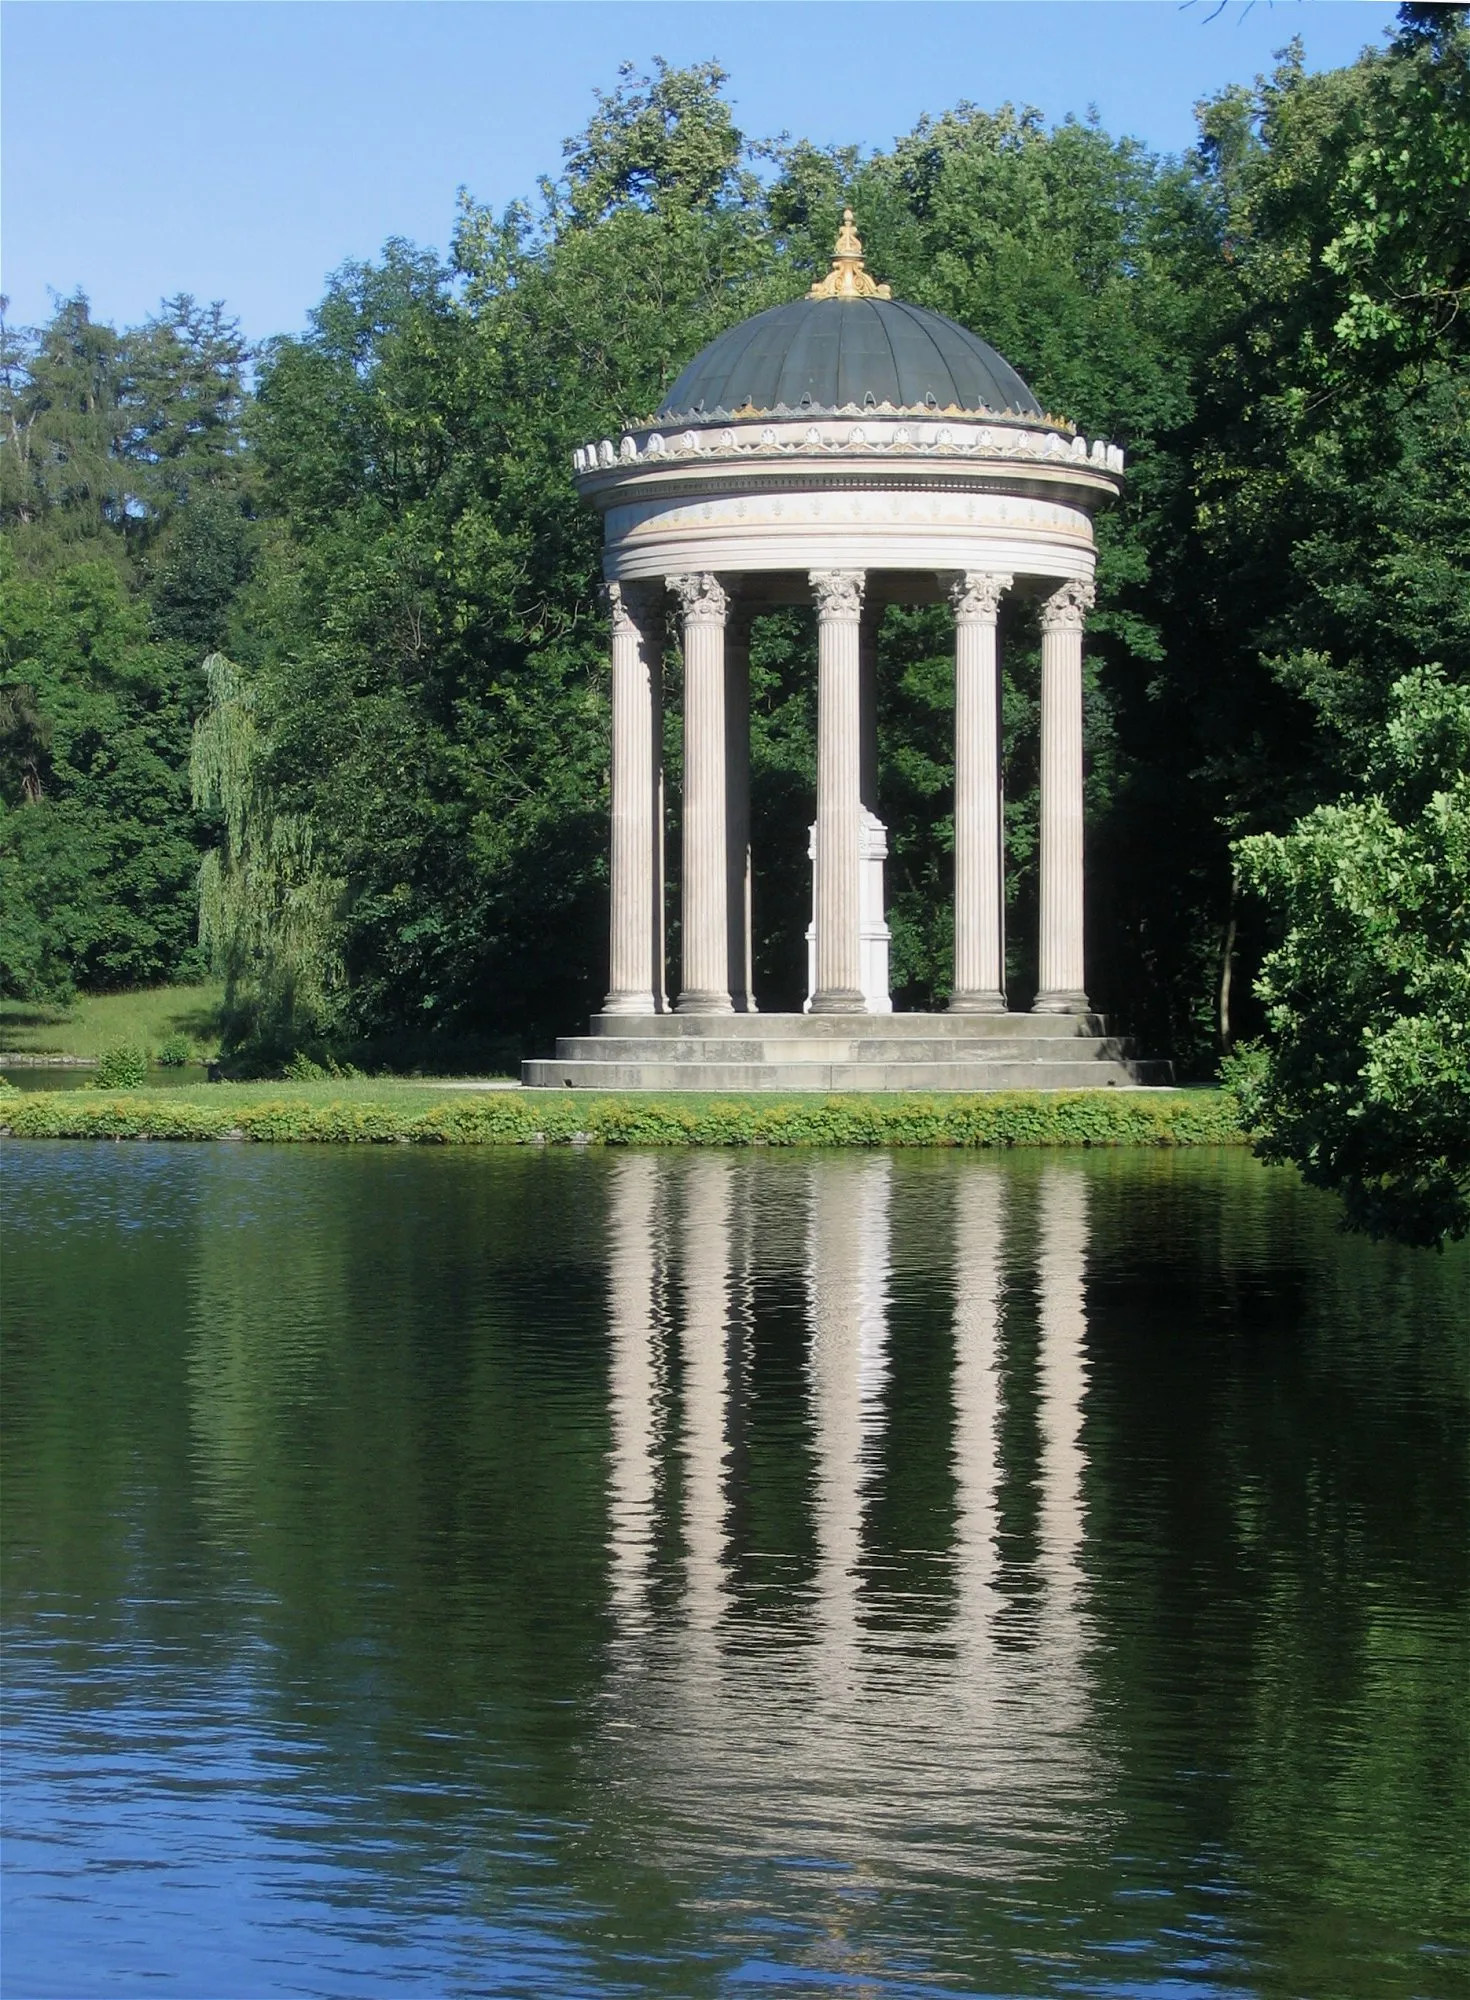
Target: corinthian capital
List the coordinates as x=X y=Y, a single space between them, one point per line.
x=976 y=595
x=619 y=609
x=1066 y=609
x=839 y=592
x=703 y=599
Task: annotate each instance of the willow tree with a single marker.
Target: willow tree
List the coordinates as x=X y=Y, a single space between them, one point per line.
x=268 y=909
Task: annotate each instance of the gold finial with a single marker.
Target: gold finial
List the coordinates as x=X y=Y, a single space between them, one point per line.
x=847 y=278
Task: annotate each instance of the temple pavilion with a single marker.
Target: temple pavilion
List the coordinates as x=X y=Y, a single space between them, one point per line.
x=851 y=451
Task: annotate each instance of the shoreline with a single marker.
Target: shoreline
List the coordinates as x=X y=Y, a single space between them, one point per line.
x=318 y=1115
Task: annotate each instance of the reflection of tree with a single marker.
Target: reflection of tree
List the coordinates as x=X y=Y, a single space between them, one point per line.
x=271 y=1293
x=1278 y=1494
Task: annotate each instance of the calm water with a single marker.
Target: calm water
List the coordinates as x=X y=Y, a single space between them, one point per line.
x=507 y=1573
x=76 y=1076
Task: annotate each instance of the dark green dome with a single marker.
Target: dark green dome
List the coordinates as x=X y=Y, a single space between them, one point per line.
x=823 y=355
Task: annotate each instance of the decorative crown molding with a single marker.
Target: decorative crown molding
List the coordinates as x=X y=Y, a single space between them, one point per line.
x=976 y=595
x=1067 y=608
x=703 y=599
x=839 y=592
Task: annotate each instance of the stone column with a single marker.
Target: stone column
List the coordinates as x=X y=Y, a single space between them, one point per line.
x=705 y=985
x=839 y=595
x=636 y=972
x=737 y=809
x=1062 y=988
x=979 y=848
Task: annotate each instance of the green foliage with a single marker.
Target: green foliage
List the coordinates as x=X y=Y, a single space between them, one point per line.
x=1365 y=1083
x=126 y=541
x=175 y=1052
x=267 y=910
x=517 y=1118
x=105 y=436
x=303 y=1068
x=97 y=838
x=123 y=1067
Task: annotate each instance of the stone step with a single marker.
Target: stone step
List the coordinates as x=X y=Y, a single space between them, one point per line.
x=875 y=1048
x=844 y=1027
x=816 y=1075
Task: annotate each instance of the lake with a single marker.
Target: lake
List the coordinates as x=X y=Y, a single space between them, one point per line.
x=487 y=1572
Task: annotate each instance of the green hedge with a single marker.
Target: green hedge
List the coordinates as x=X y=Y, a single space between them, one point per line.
x=505 y=1118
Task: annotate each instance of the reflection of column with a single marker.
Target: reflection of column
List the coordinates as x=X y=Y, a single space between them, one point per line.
x=633 y=1281
x=636 y=981
x=1062 y=987
x=979 y=865
x=737 y=808
x=839 y=988
x=979 y=1230
x=705 y=982
x=1061 y=1266
x=847 y=1263
x=708 y=1246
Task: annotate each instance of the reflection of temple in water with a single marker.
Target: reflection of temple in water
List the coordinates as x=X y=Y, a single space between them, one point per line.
x=962 y=1721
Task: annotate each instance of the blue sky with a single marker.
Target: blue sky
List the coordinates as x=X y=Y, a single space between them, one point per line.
x=242 y=151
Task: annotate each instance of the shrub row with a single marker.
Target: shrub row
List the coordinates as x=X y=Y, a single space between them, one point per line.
x=1001 y=1118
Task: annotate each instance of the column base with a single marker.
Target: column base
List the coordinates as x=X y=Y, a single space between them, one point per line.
x=704 y=1003
x=1074 y=1002
x=844 y=1000
x=978 y=1003
x=633 y=1003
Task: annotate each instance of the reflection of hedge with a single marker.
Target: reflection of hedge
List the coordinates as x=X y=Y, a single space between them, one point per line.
x=505 y=1118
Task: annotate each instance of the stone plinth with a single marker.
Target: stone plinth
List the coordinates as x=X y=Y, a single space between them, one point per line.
x=828 y=1052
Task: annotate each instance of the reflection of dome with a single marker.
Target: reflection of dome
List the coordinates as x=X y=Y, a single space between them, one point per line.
x=835 y=353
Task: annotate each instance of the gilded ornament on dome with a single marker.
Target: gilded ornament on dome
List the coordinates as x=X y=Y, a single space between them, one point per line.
x=848 y=278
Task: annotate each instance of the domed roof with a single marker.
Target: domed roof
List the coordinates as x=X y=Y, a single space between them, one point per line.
x=847 y=343
x=832 y=353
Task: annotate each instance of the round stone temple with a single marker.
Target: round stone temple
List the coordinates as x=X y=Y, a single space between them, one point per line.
x=848 y=452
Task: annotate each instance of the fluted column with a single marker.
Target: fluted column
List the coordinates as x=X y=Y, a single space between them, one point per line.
x=705 y=985
x=636 y=946
x=839 y=595
x=737 y=808
x=979 y=849
x=1062 y=986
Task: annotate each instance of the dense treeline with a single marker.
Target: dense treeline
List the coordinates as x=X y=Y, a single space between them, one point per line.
x=401 y=770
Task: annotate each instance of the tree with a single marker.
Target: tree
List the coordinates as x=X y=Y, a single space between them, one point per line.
x=1365 y=1081
x=1316 y=547
x=127 y=543
x=267 y=910
x=96 y=831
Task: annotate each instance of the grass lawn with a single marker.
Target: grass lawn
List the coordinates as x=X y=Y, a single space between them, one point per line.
x=98 y=1021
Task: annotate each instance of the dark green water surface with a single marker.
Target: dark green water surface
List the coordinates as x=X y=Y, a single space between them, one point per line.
x=470 y=1572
